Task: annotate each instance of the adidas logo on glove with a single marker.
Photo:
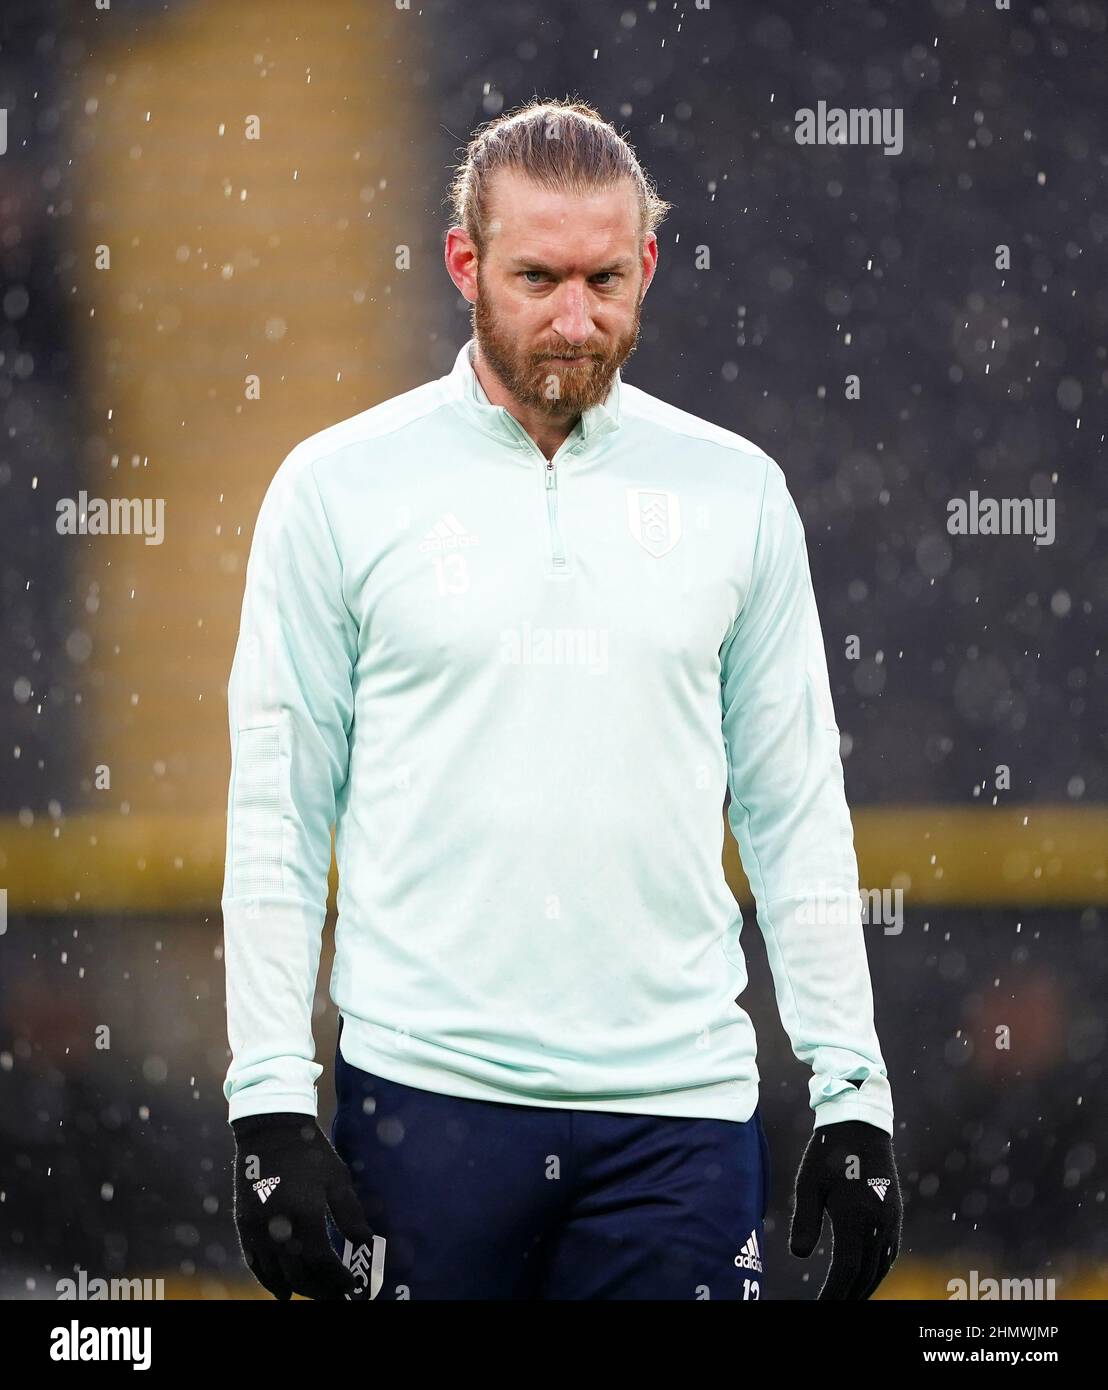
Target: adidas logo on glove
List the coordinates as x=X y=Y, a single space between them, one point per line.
x=264 y=1188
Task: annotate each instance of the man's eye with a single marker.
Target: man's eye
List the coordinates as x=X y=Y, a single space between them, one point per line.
x=608 y=276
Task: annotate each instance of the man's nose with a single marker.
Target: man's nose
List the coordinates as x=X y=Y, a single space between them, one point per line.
x=573 y=322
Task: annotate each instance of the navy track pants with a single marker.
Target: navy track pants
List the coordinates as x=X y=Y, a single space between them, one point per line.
x=487 y=1200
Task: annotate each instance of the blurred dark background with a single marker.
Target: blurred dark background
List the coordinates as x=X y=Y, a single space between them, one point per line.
x=125 y=131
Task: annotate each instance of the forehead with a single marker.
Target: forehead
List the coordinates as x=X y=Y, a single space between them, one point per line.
x=527 y=219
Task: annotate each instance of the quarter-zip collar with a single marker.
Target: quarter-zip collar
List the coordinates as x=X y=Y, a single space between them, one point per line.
x=469 y=396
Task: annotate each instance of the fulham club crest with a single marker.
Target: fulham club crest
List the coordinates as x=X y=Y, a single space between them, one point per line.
x=368 y=1266
x=654 y=519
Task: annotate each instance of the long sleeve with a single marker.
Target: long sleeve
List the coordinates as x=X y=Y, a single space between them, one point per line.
x=290 y=707
x=789 y=815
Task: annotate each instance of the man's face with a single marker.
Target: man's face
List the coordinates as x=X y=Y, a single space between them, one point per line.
x=562 y=277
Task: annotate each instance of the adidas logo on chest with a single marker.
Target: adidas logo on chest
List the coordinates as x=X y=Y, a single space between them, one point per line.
x=448 y=533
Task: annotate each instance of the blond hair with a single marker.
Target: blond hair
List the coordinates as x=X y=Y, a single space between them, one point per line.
x=566 y=146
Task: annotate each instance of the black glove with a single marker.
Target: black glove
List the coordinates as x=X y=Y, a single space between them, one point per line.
x=848 y=1167
x=286 y=1176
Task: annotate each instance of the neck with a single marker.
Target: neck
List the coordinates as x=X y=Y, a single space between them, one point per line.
x=549 y=431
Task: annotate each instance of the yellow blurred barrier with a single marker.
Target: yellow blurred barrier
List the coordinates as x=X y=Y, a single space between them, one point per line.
x=1022 y=857
x=909 y=1279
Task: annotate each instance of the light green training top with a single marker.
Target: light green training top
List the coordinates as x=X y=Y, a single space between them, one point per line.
x=520 y=689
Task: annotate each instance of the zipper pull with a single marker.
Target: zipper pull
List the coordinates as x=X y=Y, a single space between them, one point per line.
x=550 y=480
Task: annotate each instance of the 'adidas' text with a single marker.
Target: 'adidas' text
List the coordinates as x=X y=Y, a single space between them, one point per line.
x=448 y=533
x=750 y=1256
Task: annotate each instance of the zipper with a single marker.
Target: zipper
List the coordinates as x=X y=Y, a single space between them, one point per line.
x=557 y=550
x=550 y=477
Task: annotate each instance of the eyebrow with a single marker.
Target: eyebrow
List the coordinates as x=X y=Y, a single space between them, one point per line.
x=526 y=263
